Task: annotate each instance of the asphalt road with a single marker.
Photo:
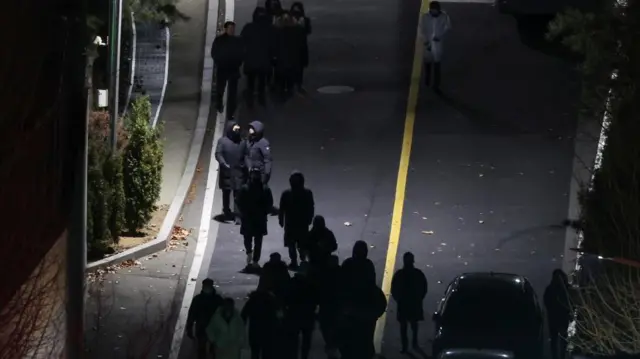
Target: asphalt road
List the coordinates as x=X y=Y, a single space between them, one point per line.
x=490 y=165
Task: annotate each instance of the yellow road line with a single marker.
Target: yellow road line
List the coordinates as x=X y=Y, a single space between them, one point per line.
x=401 y=184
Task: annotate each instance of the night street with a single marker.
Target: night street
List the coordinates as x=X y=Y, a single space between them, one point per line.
x=490 y=163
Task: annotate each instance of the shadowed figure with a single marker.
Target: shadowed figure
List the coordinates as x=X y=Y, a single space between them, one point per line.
x=409 y=288
x=363 y=302
x=329 y=306
x=254 y=200
x=321 y=243
x=289 y=44
x=300 y=313
x=303 y=24
x=275 y=276
x=296 y=214
x=358 y=267
x=258 y=53
x=558 y=306
x=202 y=308
x=261 y=314
x=435 y=24
x=230 y=152
x=227 y=52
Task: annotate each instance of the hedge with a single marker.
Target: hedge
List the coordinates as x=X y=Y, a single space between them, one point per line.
x=123 y=187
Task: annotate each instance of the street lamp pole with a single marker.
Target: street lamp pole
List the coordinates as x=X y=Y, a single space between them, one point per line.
x=115 y=31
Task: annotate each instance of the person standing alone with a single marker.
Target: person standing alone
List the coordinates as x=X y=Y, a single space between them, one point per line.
x=304 y=25
x=230 y=152
x=434 y=26
x=408 y=288
x=227 y=52
x=295 y=216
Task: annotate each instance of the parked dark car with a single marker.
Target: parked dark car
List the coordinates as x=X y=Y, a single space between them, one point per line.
x=489 y=311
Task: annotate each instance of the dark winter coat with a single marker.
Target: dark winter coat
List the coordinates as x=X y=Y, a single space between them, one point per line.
x=408 y=288
x=329 y=292
x=301 y=302
x=228 y=53
x=289 y=48
x=296 y=213
x=230 y=152
x=557 y=304
x=277 y=278
x=322 y=242
x=255 y=203
x=357 y=272
x=201 y=311
x=305 y=23
x=258 y=48
x=360 y=311
x=261 y=311
x=258 y=153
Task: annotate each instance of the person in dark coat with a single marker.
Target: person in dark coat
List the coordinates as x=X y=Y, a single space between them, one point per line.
x=300 y=313
x=329 y=304
x=362 y=304
x=558 y=306
x=257 y=62
x=230 y=152
x=227 y=52
x=200 y=313
x=275 y=276
x=408 y=288
x=258 y=153
x=302 y=21
x=261 y=313
x=321 y=242
x=358 y=268
x=254 y=201
x=296 y=214
x=274 y=11
x=290 y=39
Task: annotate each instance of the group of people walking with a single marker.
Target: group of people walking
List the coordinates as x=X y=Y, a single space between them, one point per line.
x=279 y=318
x=272 y=50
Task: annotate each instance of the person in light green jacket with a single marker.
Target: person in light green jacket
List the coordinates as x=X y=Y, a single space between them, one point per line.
x=226 y=331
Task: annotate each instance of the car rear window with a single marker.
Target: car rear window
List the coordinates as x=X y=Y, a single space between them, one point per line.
x=489 y=308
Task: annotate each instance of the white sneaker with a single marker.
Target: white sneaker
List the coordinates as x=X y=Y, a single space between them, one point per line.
x=249 y=258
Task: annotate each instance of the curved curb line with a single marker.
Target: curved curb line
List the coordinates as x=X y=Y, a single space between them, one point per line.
x=164 y=235
x=134 y=49
x=167 y=34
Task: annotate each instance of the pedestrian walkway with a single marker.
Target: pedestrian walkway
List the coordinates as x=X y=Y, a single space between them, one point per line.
x=151 y=61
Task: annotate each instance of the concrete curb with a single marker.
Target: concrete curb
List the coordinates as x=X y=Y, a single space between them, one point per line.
x=132 y=75
x=167 y=34
x=164 y=235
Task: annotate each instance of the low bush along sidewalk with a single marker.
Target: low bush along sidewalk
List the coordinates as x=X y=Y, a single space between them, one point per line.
x=123 y=187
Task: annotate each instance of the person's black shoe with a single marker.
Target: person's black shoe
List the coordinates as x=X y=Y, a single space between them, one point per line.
x=220 y=109
x=228 y=215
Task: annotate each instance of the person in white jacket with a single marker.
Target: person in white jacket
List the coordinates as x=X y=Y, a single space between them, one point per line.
x=434 y=26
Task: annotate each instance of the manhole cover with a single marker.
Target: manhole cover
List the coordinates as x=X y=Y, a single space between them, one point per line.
x=335 y=90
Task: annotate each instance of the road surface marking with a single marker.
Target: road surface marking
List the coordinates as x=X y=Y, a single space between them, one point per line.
x=167 y=40
x=212 y=177
x=401 y=184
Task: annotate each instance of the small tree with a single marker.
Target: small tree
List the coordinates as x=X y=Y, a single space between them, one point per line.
x=142 y=166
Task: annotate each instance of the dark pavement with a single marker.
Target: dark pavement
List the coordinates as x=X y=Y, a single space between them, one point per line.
x=490 y=164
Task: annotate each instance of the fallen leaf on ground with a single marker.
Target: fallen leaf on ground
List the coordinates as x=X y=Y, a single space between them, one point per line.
x=348 y=224
x=428 y=232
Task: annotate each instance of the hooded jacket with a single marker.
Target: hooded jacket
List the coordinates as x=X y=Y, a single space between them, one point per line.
x=202 y=308
x=257 y=36
x=258 y=153
x=358 y=270
x=230 y=152
x=229 y=337
x=304 y=22
x=297 y=206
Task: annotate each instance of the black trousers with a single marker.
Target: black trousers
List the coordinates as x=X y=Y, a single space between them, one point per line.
x=285 y=81
x=202 y=344
x=558 y=335
x=300 y=337
x=258 y=78
x=253 y=245
x=226 y=202
x=432 y=69
x=227 y=80
x=404 y=324
x=299 y=77
x=261 y=349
